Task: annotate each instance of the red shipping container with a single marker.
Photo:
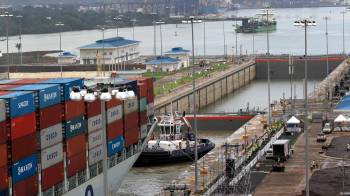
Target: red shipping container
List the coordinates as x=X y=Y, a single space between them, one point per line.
x=114 y=129
x=4 y=183
x=113 y=102
x=143 y=118
x=26 y=187
x=131 y=120
x=50 y=116
x=143 y=89
x=3 y=155
x=76 y=145
x=93 y=108
x=131 y=136
x=150 y=96
x=23 y=147
x=22 y=125
x=76 y=163
x=3 y=132
x=52 y=175
x=73 y=109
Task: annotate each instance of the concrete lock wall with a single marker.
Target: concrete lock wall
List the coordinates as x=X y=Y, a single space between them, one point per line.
x=279 y=66
x=211 y=92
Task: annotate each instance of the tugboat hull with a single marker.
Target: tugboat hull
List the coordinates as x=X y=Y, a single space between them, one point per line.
x=160 y=157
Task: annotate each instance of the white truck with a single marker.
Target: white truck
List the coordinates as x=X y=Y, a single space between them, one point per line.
x=281 y=149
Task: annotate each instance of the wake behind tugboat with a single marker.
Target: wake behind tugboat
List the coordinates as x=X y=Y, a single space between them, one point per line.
x=172 y=144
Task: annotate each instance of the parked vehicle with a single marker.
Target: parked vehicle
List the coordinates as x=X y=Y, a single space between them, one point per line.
x=269 y=153
x=281 y=149
x=327 y=128
x=321 y=137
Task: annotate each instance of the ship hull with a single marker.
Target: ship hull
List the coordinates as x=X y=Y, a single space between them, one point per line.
x=115 y=177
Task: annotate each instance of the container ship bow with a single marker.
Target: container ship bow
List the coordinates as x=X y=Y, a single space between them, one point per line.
x=51 y=145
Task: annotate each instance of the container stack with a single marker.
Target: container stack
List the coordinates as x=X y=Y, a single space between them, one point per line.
x=22 y=155
x=146 y=111
x=114 y=128
x=59 y=122
x=48 y=137
x=95 y=150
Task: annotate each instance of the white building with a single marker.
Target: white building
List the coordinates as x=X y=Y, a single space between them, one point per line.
x=164 y=64
x=180 y=54
x=116 y=50
x=67 y=58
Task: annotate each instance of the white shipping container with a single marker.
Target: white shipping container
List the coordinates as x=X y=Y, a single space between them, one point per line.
x=95 y=139
x=51 y=136
x=51 y=156
x=95 y=155
x=3 y=110
x=114 y=113
x=150 y=109
x=143 y=132
x=130 y=106
x=95 y=123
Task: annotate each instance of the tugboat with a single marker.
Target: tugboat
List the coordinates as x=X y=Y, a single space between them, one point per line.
x=258 y=24
x=174 y=144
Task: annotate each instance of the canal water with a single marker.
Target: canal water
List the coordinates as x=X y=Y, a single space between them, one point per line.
x=151 y=180
x=288 y=39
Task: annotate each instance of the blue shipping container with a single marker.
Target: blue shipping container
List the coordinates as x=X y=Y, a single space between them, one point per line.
x=74 y=127
x=24 y=168
x=66 y=85
x=8 y=81
x=18 y=103
x=115 y=145
x=46 y=94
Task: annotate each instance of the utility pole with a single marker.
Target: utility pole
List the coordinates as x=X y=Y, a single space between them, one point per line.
x=60 y=25
x=305 y=23
x=7 y=16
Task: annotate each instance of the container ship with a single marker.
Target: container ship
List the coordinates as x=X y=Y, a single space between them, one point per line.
x=52 y=145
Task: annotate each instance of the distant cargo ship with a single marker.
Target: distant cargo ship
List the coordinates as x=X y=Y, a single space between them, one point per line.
x=52 y=145
x=259 y=23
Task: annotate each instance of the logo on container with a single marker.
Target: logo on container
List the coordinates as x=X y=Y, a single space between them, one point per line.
x=51 y=136
x=23 y=104
x=97 y=153
x=114 y=113
x=116 y=145
x=96 y=138
x=96 y=122
x=50 y=96
x=52 y=156
x=75 y=126
x=24 y=168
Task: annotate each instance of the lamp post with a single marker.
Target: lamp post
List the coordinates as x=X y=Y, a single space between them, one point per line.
x=343 y=13
x=7 y=15
x=160 y=36
x=191 y=20
x=104 y=95
x=60 y=25
x=305 y=23
x=291 y=73
x=102 y=28
x=117 y=19
x=223 y=32
x=133 y=28
x=20 y=38
x=326 y=18
x=204 y=39
x=268 y=64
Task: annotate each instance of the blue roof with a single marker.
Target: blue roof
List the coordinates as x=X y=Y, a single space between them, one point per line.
x=162 y=60
x=177 y=50
x=343 y=105
x=114 y=42
x=67 y=54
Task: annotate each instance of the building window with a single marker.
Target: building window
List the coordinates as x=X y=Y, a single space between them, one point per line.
x=105 y=53
x=110 y=53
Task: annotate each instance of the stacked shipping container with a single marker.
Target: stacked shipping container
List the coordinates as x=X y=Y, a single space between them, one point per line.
x=43 y=126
